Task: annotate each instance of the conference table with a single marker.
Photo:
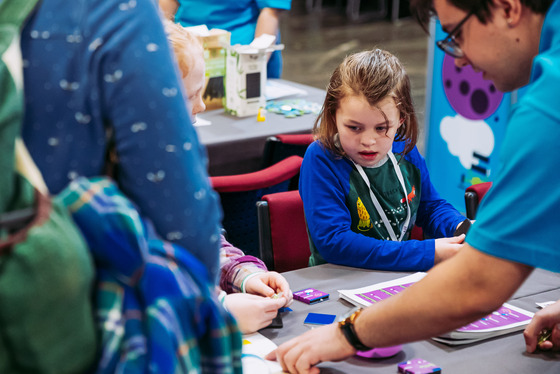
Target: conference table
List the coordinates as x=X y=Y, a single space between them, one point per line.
x=503 y=354
x=235 y=144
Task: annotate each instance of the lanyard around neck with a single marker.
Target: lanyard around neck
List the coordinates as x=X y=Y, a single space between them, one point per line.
x=377 y=205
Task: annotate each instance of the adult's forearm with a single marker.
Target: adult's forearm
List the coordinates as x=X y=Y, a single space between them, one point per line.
x=268 y=22
x=458 y=291
x=169 y=8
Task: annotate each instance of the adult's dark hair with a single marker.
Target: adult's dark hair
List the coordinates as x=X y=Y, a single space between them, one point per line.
x=422 y=10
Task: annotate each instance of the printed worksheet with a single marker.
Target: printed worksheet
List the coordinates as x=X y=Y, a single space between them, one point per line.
x=255 y=348
x=505 y=320
x=368 y=295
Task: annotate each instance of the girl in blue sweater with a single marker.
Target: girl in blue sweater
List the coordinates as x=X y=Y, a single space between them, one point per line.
x=363 y=182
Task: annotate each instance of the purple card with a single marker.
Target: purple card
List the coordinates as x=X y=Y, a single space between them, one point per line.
x=310 y=296
x=418 y=366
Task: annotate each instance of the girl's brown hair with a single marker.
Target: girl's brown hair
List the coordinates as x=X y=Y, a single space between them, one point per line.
x=375 y=75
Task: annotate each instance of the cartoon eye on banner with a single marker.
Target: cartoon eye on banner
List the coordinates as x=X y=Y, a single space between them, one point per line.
x=469 y=94
x=465 y=124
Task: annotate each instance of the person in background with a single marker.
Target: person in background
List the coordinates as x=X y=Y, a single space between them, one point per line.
x=98 y=78
x=47 y=324
x=245 y=19
x=247 y=286
x=515 y=43
x=363 y=182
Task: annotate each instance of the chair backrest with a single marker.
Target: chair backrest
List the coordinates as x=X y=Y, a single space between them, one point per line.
x=417 y=233
x=282 y=146
x=283 y=238
x=239 y=194
x=473 y=196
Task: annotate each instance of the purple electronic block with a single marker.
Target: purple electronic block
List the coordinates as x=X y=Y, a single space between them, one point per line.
x=310 y=296
x=418 y=366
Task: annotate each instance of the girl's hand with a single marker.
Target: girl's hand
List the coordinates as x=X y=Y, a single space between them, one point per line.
x=269 y=283
x=252 y=312
x=448 y=247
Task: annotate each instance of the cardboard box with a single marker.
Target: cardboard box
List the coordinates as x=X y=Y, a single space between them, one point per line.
x=246 y=76
x=245 y=81
x=215 y=43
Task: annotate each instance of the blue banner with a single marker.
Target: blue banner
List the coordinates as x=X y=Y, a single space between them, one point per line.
x=466 y=121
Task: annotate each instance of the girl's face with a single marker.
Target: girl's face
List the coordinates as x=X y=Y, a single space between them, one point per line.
x=194 y=83
x=365 y=135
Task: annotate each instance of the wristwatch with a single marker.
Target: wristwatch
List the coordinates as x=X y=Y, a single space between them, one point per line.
x=346 y=325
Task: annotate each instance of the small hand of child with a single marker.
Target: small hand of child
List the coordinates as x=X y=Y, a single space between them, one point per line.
x=268 y=284
x=448 y=247
x=252 y=312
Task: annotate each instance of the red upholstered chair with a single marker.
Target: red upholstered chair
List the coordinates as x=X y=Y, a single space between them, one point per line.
x=239 y=194
x=417 y=233
x=281 y=146
x=284 y=244
x=283 y=238
x=473 y=196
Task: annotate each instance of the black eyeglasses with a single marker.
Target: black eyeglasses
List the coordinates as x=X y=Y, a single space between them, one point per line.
x=449 y=45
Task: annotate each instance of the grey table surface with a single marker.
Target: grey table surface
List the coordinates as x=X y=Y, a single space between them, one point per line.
x=504 y=354
x=235 y=144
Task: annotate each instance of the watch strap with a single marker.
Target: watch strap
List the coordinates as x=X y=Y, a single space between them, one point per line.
x=347 y=328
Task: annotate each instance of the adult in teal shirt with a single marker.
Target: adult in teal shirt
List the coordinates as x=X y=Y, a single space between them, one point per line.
x=514 y=43
x=245 y=19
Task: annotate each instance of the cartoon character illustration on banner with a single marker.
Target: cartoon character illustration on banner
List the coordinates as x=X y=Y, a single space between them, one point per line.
x=468 y=134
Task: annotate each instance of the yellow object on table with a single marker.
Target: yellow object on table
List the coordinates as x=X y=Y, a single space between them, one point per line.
x=261 y=116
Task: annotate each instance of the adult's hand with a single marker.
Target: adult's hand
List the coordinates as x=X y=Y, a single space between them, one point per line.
x=547 y=318
x=301 y=354
x=269 y=283
x=252 y=312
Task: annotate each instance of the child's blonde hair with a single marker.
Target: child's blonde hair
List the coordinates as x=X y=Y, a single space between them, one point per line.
x=375 y=75
x=186 y=46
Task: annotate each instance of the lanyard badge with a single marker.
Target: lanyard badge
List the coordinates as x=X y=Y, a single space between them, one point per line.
x=377 y=205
